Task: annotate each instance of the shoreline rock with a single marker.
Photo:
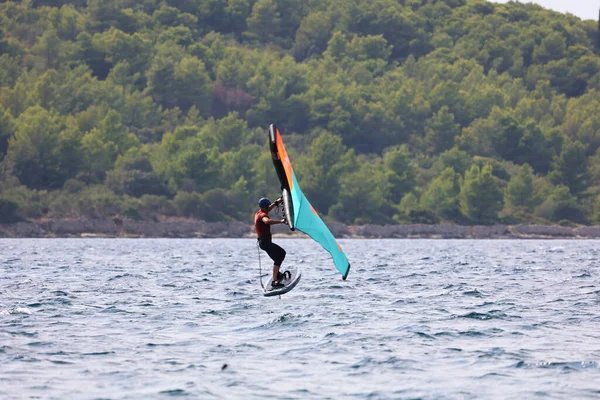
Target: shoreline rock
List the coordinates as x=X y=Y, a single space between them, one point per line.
x=188 y=228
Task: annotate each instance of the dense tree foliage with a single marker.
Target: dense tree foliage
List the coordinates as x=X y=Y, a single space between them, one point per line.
x=393 y=111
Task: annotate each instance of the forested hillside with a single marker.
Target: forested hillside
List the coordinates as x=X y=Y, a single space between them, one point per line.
x=393 y=111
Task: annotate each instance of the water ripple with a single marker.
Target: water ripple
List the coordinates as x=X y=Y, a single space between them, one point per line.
x=429 y=319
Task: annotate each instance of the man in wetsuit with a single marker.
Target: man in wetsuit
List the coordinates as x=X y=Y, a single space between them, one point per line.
x=263 y=223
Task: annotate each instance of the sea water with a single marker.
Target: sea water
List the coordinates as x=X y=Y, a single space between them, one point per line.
x=416 y=319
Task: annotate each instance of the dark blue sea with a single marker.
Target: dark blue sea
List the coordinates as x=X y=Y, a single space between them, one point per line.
x=416 y=319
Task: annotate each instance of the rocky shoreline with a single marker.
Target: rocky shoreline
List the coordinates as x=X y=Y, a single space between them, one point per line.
x=186 y=228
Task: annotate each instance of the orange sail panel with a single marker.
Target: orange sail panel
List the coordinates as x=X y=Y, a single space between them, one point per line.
x=285 y=160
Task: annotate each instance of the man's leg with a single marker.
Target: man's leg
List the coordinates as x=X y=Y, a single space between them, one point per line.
x=277 y=254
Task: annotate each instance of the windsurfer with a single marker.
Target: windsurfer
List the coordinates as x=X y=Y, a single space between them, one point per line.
x=263 y=223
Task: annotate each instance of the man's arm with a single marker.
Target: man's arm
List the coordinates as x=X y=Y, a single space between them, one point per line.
x=275 y=204
x=270 y=221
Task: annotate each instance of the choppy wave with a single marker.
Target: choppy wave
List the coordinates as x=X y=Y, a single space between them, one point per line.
x=429 y=319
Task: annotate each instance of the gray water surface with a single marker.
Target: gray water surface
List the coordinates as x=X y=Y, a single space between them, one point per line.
x=430 y=319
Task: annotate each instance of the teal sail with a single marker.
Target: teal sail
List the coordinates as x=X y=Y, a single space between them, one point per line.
x=308 y=221
x=299 y=212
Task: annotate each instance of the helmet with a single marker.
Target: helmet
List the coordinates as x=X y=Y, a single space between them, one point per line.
x=264 y=202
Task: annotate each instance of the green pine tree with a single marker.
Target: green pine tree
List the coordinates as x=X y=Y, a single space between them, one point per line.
x=441 y=196
x=570 y=168
x=519 y=192
x=480 y=197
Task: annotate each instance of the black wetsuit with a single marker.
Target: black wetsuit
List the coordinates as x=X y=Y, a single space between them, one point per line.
x=274 y=251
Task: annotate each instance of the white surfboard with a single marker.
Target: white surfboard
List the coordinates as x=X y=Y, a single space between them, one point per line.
x=291 y=278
